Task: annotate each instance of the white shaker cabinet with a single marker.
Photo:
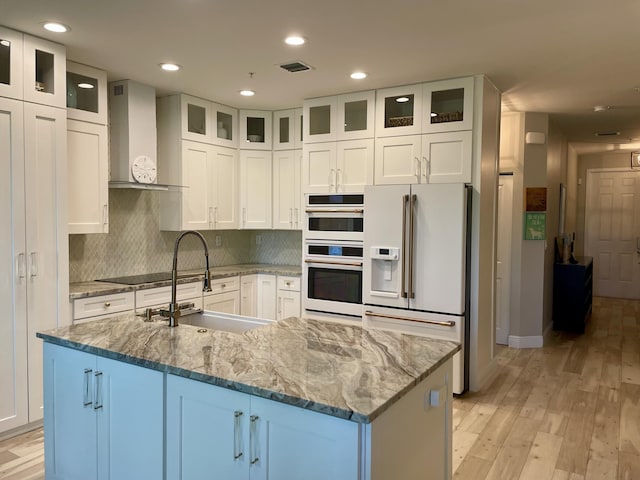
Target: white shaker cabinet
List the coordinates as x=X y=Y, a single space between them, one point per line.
x=287 y=196
x=287 y=129
x=88 y=166
x=399 y=111
x=86 y=94
x=11 y=48
x=240 y=436
x=224 y=296
x=104 y=418
x=255 y=130
x=448 y=105
x=288 y=301
x=255 y=189
x=44 y=72
x=34 y=250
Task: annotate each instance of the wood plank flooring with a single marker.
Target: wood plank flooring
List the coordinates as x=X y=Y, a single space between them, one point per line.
x=567 y=411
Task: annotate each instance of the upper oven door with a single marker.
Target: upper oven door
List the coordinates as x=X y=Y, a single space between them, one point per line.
x=334 y=217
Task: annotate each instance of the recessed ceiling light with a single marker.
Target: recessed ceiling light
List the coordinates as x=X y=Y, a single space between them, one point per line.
x=402 y=99
x=170 y=67
x=85 y=85
x=247 y=93
x=358 y=75
x=295 y=40
x=5 y=43
x=56 y=27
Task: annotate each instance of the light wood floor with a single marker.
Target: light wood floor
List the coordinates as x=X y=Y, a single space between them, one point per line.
x=567 y=411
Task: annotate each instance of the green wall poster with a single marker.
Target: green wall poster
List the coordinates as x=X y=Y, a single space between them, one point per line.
x=535 y=225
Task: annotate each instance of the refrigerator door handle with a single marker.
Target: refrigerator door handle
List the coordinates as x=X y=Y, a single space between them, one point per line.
x=403 y=275
x=412 y=204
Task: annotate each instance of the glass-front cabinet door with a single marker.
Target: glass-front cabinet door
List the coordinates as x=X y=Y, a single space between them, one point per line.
x=399 y=111
x=355 y=115
x=284 y=130
x=319 y=119
x=44 y=74
x=225 y=119
x=448 y=105
x=255 y=130
x=86 y=93
x=196 y=114
x=11 y=84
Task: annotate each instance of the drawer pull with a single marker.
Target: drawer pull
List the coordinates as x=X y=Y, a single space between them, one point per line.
x=107 y=304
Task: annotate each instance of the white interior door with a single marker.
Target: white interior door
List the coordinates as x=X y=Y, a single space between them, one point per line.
x=503 y=277
x=612 y=238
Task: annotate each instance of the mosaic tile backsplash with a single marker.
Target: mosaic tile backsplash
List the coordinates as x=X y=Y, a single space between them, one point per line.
x=135 y=244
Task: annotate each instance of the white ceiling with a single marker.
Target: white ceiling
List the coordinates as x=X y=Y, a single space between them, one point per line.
x=561 y=57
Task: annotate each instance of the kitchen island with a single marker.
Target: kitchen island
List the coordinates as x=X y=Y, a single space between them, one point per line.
x=295 y=399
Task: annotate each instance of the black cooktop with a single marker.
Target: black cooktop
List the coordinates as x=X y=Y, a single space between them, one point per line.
x=138 y=279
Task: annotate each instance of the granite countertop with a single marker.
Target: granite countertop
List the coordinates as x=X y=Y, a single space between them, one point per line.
x=94 y=288
x=341 y=370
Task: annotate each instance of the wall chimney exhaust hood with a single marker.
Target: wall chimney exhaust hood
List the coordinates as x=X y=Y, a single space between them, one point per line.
x=133 y=142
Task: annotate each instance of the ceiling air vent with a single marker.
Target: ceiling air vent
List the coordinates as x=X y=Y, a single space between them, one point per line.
x=295 y=67
x=607 y=134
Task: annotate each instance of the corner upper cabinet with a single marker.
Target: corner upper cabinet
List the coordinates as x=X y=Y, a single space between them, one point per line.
x=287 y=129
x=399 y=111
x=44 y=72
x=86 y=94
x=255 y=130
x=11 y=60
x=225 y=119
x=448 y=105
x=319 y=119
x=355 y=115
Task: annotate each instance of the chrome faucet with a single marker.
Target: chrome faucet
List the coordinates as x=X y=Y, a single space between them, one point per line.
x=174 y=309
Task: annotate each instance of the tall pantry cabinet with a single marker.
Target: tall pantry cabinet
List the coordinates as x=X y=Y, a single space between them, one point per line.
x=33 y=241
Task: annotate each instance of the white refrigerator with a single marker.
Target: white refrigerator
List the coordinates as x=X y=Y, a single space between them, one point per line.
x=415 y=261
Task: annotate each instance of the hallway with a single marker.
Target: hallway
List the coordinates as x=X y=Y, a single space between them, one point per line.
x=567 y=411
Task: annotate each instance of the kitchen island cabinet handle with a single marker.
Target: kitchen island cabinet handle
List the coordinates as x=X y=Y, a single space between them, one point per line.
x=33 y=269
x=237 y=441
x=446 y=323
x=86 y=389
x=97 y=393
x=253 y=448
x=20 y=265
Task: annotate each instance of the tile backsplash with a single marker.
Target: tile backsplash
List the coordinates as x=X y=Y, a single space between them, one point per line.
x=135 y=244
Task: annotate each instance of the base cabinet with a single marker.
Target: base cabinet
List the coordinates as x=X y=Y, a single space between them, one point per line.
x=213 y=432
x=103 y=418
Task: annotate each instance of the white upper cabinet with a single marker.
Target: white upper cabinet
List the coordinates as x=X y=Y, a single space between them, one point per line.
x=398 y=160
x=287 y=129
x=255 y=189
x=448 y=105
x=196 y=119
x=44 y=72
x=226 y=125
x=255 y=130
x=86 y=94
x=319 y=119
x=11 y=55
x=447 y=157
x=286 y=189
x=354 y=165
x=399 y=111
x=355 y=115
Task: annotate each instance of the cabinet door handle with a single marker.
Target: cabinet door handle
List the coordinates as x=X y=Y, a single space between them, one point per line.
x=338 y=178
x=279 y=307
x=244 y=216
x=332 y=178
x=105 y=214
x=291 y=217
x=426 y=169
x=210 y=212
x=237 y=432
x=97 y=391
x=20 y=265
x=86 y=388
x=33 y=270
x=215 y=216
x=297 y=217
x=417 y=171
x=253 y=444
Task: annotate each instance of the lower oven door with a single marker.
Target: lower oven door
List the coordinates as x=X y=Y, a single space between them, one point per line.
x=333 y=286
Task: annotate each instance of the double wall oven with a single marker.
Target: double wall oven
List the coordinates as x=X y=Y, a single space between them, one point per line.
x=333 y=251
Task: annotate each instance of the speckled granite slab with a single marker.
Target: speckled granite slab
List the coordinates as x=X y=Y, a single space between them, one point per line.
x=344 y=371
x=92 y=289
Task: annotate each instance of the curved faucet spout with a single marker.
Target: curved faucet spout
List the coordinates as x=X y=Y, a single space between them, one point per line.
x=174 y=309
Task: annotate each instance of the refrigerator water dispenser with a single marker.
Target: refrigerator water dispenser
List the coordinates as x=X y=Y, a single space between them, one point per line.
x=384 y=270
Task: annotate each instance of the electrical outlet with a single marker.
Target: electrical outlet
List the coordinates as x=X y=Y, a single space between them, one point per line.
x=258 y=239
x=218 y=240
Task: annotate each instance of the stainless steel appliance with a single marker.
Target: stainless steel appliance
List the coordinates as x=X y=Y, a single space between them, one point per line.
x=334 y=217
x=333 y=277
x=415 y=260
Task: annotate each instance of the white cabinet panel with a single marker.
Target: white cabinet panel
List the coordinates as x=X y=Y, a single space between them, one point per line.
x=255 y=129
x=399 y=111
x=226 y=188
x=149 y=298
x=197 y=168
x=11 y=83
x=44 y=73
x=286 y=189
x=248 y=295
x=355 y=115
x=103 y=305
x=318 y=120
x=448 y=157
x=88 y=165
x=227 y=302
x=448 y=105
x=266 y=296
x=255 y=189
x=86 y=94
x=397 y=160
x=354 y=165
x=319 y=168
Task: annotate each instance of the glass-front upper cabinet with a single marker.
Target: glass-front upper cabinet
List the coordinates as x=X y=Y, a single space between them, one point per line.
x=255 y=129
x=197 y=116
x=86 y=93
x=225 y=133
x=11 y=84
x=44 y=74
x=448 y=105
x=319 y=119
x=287 y=129
x=399 y=111
x=355 y=116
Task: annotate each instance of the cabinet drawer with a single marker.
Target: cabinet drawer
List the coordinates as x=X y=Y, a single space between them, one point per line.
x=227 y=284
x=162 y=295
x=102 y=305
x=289 y=283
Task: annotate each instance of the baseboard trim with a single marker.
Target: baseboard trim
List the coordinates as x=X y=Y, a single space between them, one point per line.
x=535 y=341
x=20 y=430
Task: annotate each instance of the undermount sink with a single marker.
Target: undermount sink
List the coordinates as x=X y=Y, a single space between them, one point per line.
x=219 y=321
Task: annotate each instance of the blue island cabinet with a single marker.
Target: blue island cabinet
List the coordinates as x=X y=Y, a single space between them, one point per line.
x=213 y=432
x=103 y=419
